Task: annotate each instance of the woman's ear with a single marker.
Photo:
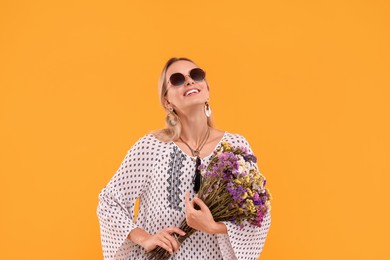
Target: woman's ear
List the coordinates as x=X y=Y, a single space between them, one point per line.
x=166 y=103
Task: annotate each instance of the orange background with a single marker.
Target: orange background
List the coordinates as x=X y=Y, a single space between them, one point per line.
x=306 y=82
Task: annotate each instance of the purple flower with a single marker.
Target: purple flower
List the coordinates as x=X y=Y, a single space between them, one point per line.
x=256 y=199
x=202 y=167
x=242 y=149
x=260 y=216
x=236 y=192
x=210 y=174
x=226 y=176
x=250 y=158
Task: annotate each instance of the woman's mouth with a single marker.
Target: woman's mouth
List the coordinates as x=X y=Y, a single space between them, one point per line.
x=191 y=92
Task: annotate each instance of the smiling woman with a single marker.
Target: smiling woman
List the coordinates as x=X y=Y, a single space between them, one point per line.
x=179 y=78
x=161 y=169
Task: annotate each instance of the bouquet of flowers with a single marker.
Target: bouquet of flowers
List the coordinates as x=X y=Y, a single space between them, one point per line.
x=232 y=188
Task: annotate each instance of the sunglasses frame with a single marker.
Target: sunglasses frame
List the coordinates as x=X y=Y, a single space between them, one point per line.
x=185 y=76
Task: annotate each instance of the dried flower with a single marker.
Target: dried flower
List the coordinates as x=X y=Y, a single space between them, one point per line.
x=232 y=188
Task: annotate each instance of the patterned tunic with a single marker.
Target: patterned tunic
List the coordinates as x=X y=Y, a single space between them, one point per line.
x=159 y=173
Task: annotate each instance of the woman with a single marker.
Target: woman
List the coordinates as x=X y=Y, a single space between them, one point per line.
x=159 y=169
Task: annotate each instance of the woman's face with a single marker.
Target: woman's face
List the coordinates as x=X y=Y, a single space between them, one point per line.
x=190 y=94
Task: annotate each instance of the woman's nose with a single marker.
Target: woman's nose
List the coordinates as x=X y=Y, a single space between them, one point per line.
x=189 y=80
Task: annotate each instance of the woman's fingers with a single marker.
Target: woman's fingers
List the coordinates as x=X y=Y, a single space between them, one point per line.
x=199 y=202
x=164 y=243
x=166 y=240
x=173 y=242
x=169 y=239
x=176 y=230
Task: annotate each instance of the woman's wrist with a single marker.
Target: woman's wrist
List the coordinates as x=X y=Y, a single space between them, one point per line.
x=218 y=228
x=138 y=236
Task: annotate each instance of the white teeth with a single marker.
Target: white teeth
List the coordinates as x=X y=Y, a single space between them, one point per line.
x=191 y=91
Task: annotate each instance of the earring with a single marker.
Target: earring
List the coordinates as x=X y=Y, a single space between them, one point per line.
x=207 y=109
x=171 y=118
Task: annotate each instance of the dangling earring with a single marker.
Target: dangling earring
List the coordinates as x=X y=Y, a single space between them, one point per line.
x=171 y=118
x=207 y=109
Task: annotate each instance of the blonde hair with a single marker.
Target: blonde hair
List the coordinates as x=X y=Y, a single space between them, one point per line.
x=172 y=130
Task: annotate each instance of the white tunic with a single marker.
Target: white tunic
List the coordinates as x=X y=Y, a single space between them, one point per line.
x=160 y=173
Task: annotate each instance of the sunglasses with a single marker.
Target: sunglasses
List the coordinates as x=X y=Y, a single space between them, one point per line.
x=197 y=179
x=178 y=79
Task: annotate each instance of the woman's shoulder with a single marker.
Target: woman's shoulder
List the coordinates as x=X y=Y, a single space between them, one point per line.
x=235 y=138
x=149 y=142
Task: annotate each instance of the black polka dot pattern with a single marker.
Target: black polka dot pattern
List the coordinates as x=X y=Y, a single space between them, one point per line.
x=160 y=173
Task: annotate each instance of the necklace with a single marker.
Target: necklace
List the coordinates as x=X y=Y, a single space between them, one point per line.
x=196 y=152
x=197 y=179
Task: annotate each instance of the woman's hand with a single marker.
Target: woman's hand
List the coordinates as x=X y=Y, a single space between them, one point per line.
x=163 y=238
x=202 y=219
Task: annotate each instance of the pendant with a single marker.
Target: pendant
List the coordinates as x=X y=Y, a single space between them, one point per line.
x=197 y=179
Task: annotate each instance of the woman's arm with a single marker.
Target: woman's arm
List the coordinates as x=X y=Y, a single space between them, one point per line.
x=163 y=238
x=117 y=199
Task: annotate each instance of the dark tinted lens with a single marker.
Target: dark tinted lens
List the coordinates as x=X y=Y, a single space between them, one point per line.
x=177 y=79
x=197 y=74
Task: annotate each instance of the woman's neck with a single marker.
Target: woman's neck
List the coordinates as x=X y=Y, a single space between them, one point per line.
x=193 y=127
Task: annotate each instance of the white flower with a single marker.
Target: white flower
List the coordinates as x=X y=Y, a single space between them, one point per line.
x=241 y=160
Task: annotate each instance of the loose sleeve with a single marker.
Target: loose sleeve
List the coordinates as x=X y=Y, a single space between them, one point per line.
x=117 y=199
x=247 y=242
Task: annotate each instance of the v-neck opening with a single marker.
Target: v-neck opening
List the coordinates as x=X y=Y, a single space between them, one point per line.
x=215 y=148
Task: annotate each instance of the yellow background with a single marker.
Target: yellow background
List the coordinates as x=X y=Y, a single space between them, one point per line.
x=306 y=82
